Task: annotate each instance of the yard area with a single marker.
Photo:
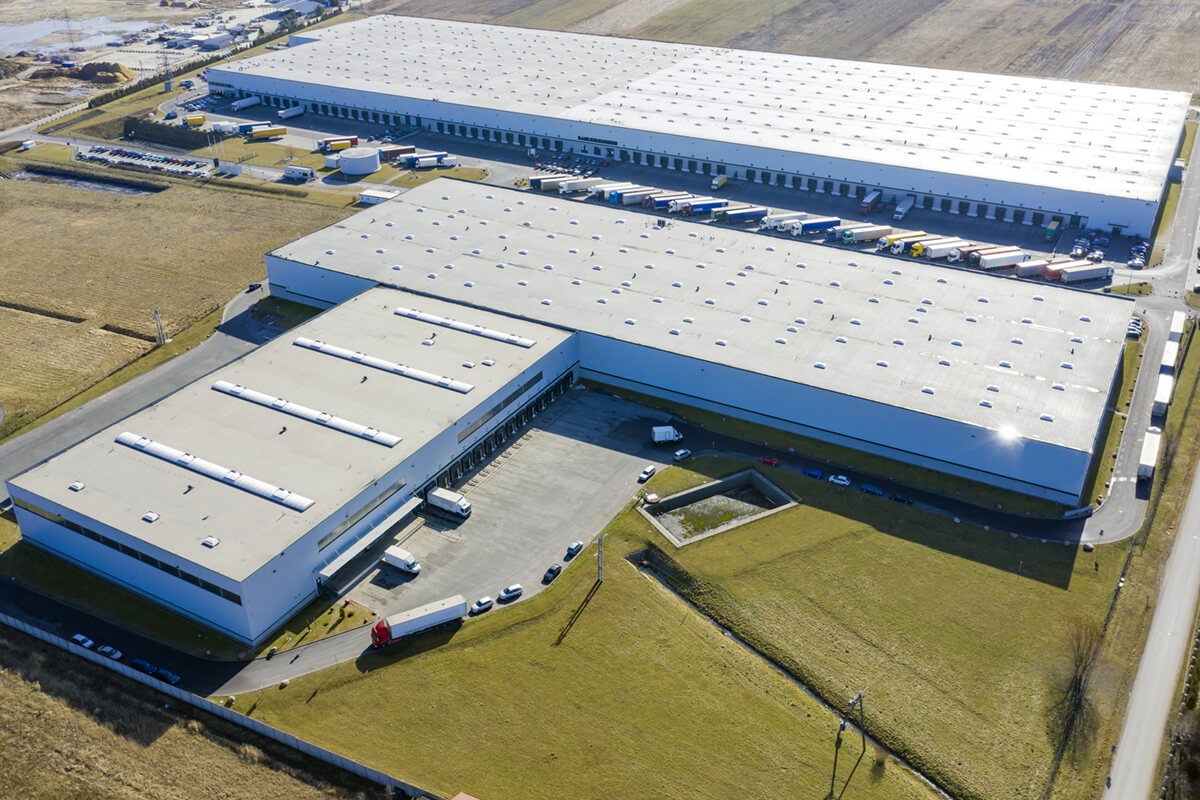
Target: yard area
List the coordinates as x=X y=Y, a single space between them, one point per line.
x=583 y=691
x=84 y=271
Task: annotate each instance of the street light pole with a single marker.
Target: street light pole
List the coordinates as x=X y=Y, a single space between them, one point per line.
x=600 y=560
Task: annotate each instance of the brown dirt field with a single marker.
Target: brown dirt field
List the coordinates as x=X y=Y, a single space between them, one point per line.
x=69 y=729
x=111 y=259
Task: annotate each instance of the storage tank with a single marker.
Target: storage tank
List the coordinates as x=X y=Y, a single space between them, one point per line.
x=359 y=161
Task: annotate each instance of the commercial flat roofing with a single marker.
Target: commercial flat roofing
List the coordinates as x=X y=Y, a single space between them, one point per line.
x=1086 y=137
x=1031 y=359
x=259 y=452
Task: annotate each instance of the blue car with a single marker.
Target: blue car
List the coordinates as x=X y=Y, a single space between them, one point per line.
x=813 y=472
x=144 y=665
x=872 y=489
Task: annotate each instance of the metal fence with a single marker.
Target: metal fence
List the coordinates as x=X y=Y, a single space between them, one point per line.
x=398 y=786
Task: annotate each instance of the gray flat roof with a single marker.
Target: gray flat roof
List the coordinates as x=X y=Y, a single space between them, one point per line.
x=327 y=462
x=995 y=352
x=1086 y=137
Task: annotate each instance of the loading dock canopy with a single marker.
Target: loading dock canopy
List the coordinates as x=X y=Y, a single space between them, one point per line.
x=374 y=535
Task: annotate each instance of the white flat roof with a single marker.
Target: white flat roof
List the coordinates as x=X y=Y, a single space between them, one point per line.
x=1087 y=137
x=373 y=419
x=1003 y=354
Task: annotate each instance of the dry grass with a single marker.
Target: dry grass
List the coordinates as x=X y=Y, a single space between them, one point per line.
x=69 y=729
x=110 y=259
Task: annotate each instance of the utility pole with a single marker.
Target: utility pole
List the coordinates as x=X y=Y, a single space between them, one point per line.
x=161 y=337
x=600 y=560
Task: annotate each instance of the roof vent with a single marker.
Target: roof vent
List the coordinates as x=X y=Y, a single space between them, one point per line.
x=487 y=362
x=945 y=362
x=780 y=340
x=985 y=403
x=1085 y=318
x=840 y=340
x=674 y=331
x=898 y=341
x=856 y=322
x=1006 y=364
x=993 y=387
x=881 y=363
x=546 y=301
x=1046 y=418
x=819 y=365
x=927 y=389
x=150 y=516
x=708 y=301
x=872 y=299
x=77 y=486
x=1067 y=365
x=1060 y=387
x=211 y=542
x=744 y=319
x=722 y=342
x=631 y=321
x=469 y=364
x=688 y=320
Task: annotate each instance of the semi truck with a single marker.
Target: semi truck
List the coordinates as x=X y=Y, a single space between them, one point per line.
x=939 y=248
x=1150 y=448
x=663 y=201
x=999 y=260
x=903 y=246
x=664 y=434
x=288 y=113
x=776 y=222
x=805 y=227
x=550 y=183
x=904 y=206
x=535 y=181
x=602 y=189
x=744 y=214
x=401 y=559
x=1053 y=271
x=579 y=185
x=449 y=502
x=194 y=119
x=423 y=618
x=336 y=143
x=865 y=234
x=719 y=182
x=1029 y=268
x=870 y=202
x=886 y=242
x=1081 y=273
x=245 y=102
x=267 y=132
x=634 y=196
x=390 y=152
x=973 y=258
x=962 y=254
x=246 y=127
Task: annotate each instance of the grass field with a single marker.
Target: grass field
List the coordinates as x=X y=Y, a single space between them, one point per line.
x=68 y=729
x=617 y=691
x=90 y=267
x=1139 y=288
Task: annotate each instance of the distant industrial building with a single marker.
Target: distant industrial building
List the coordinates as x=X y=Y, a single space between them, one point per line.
x=459 y=310
x=1019 y=149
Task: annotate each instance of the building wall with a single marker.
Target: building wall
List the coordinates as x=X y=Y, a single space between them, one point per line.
x=1027 y=466
x=174 y=593
x=689 y=153
x=311 y=285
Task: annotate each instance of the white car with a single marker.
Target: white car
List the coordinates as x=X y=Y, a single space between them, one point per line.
x=83 y=641
x=510 y=593
x=481 y=605
x=839 y=480
x=680 y=455
x=647 y=473
x=110 y=651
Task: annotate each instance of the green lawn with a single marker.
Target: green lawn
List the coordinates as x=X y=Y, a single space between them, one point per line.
x=1139 y=288
x=623 y=692
x=1100 y=474
x=956 y=631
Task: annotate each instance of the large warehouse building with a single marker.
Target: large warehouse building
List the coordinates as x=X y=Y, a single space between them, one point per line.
x=460 y=309
x=1019 y=149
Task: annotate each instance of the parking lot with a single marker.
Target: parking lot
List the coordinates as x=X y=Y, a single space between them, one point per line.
x=563 y=479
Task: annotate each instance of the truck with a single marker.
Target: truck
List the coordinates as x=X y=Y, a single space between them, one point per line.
x=186 y=83
x=401 y=559
x=904 y=206
x=634 y=196
x=267 y=132
x=224 y=126
x=719 y=182
x=423 y=618
x=579 y=185
x=336 y=143
x=423 y=161
x=886 y=242
x=1029 y=268
x=665 y=434
x=704 y=206
x=390 y=152
x=601 y=190
x=447 y=161
x=939 y=248
x=448 y=501
x=805 y=227
x=663 y=201
x=742 y=214
x=1086 y=273
x=684 y=204
x=1163 y=394
x=1051 y=230
x=973 y=257
x=1009 y=258
x=865 y=234
x=777 y=222
x=1053 y=271
x=962 y=254
x=288 y=113
x=550 y=183
x=194 y=119
x=245 y=102
x=870 y=202
x=1150 y=448
x=296 y=173
x=902 y=246
x=246 y=127
x=834 y=234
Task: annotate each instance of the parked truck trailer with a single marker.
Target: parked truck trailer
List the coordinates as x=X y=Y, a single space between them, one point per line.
x=886 y=242
x=448 y=501
x=939 y=248
x=579 y=185
x=904 y=206
x=869 y=233
x=905 y=246
x=776 y=222
x=1150 y=448
x=961 y=255
x=1080 y=273
x=742 y=214
x=288 y=113
x=245 y=102
x=663 y=201
x=806 y=227
x=409 y=623
x=268 y=132
x=870 y=202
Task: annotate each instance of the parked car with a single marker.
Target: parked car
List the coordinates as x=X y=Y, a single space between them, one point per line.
x=552 y=573
x=871 y=488
x=110 y=651
x=481 y=605
x=839 y=480
x=510 y=593
x=680 y=455
x=168 y=676
x=171 y=115
x=1096 y=256
x=144 y=665
x=574 y=548
x=647 y=473
x=83 y=641
x=770 y=461
x=899 y=498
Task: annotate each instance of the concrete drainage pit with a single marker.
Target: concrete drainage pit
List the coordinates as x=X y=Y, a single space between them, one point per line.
x=715 y=507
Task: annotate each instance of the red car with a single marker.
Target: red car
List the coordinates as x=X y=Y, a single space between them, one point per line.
x=770 y=461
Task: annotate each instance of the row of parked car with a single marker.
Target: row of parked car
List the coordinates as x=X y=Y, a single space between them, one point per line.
x=140 y=664
x=188 y=167
x=1091 y=245
x=511 y=593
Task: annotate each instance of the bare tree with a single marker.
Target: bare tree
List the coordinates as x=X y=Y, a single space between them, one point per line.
x=1083 y=639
